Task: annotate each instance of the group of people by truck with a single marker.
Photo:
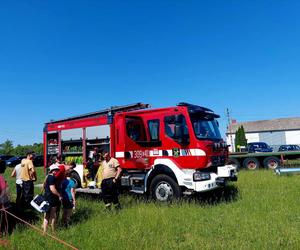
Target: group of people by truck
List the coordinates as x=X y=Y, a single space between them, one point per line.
x=25 y=177
x=59 y=186
x=59 y=189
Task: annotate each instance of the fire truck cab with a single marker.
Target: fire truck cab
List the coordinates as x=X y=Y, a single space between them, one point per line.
x=164 y=152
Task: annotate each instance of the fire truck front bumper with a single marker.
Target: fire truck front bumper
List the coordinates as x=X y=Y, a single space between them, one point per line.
x=206 y=181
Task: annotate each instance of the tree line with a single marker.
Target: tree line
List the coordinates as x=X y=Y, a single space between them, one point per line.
x=7 y=148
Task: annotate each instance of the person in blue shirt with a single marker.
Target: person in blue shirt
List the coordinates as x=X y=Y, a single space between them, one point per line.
x=68 y=198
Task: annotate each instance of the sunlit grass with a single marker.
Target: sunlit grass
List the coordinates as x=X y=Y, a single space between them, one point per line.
x=260 y=211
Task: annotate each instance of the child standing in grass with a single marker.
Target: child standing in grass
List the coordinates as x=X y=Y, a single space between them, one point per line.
x=68 y=198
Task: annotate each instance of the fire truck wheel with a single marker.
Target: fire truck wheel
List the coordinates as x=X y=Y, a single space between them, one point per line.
x=163 y=188
x=271 y=162
x=251 y=163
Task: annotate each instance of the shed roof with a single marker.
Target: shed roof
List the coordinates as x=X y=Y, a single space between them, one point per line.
x=267 y=125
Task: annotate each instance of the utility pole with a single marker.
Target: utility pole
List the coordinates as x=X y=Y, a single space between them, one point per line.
x=229 y=128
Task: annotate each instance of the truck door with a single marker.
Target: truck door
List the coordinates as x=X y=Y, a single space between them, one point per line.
x=136 y=152
x=176 y=143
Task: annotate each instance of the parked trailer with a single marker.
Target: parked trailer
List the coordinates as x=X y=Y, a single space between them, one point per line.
x=164 y=152
x=280 y=171
x=269 y=160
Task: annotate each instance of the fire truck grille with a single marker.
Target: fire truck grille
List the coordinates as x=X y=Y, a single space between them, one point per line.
x=218 y=160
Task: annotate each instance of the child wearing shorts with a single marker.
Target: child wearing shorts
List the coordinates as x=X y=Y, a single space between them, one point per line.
x=68 y=198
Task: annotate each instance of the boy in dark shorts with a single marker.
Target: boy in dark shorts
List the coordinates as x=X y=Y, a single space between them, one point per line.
x=68 y=198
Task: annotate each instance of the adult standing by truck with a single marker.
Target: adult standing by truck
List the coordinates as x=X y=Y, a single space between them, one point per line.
x=28 y=176
x=17 y=173
x=111 y=173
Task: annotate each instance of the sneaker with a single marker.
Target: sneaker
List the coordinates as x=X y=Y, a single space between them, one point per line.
x=108 y=206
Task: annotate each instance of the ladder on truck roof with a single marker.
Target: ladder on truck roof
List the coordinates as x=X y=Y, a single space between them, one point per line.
x=109 y=111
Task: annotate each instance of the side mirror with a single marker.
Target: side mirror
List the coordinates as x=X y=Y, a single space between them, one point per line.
x=178 y=131
x=179 y=136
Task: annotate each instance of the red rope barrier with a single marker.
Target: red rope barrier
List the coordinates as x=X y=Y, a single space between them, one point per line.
x=39 y=230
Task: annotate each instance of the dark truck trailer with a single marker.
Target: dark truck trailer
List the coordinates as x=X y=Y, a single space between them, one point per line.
x=269 y=160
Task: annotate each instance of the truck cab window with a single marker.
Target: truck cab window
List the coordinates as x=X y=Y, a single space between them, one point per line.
x=171 y=122
x=205 y=127
x=135 y=129
x=153 y=126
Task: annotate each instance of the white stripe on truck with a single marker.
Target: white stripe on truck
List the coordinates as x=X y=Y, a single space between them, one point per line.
x=156 y=152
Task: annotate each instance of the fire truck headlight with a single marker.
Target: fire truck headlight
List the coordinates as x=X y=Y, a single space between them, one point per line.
x=200 y=176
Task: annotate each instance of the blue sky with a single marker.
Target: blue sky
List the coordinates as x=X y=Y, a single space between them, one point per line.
x=62 y=58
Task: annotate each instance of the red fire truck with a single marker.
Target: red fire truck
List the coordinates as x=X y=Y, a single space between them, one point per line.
x=164 y=152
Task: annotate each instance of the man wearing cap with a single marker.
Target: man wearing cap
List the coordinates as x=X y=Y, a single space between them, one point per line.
x=28 y=176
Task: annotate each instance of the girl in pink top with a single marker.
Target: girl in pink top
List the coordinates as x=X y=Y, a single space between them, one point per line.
x=3 y=186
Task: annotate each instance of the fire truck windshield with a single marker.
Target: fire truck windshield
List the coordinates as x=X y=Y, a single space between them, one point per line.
x=205 y=127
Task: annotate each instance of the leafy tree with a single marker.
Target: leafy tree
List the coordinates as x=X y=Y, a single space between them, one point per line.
x=38 y=148
x=243 y=139
x=240 y=138
x=7 y=147
x=22 y=150
x=237 y=140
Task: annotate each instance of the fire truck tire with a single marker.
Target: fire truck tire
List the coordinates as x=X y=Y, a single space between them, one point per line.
x=163 y=188
x=74 y=175
x=271 y=162
x=251 y=163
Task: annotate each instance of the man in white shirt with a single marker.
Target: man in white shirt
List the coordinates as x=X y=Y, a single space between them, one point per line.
x=17 y=173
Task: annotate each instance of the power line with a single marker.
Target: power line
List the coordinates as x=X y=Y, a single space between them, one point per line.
x=229 y=127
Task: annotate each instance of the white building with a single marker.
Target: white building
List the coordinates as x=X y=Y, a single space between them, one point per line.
x=274 y=132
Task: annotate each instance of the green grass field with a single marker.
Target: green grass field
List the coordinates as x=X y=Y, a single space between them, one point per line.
x=260 y=211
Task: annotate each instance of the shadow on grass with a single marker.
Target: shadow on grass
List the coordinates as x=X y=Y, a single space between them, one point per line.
x=28 y=215
x=81 y=214
x=226 y=194
x=217 y=196
x=223 y=195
